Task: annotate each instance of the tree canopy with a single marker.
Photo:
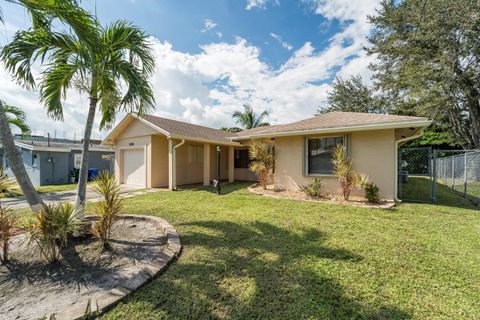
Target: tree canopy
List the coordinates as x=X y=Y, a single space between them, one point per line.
x=249 y=119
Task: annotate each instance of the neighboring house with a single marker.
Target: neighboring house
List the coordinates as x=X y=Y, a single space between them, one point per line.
x=53 y=162
x=157 y=152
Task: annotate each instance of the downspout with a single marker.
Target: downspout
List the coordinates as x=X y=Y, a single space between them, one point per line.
x=174 y=164
x=397 y=145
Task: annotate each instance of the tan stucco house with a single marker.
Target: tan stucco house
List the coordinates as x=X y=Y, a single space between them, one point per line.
x=158 y=152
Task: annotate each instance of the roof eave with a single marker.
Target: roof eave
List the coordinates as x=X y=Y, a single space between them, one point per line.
x=395 y=125
x=222 y=142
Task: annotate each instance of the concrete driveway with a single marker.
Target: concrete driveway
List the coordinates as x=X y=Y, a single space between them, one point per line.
x=69 y=196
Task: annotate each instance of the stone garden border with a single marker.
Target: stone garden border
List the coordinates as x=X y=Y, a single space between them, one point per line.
x=135 y=280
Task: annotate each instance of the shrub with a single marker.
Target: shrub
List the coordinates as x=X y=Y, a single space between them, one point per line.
x=6 y=183
x=347 y=177
x=313 y=189
x=108 y=209
x=8 y=225
x=371 y=193
x=262 y=157
x=54 y=223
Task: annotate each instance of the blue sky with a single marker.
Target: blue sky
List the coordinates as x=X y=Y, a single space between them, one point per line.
x=213 y=56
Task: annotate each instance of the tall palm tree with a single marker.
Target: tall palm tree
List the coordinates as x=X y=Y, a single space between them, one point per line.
x=248 y=119
x=44 y=13
x=11 y=116
x=112 y=67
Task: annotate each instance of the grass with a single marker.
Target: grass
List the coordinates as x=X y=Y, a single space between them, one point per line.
x=417 y=189
x=16 y=192
x=253 y=257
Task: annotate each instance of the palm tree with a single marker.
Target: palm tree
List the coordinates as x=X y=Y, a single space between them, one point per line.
x=44 y=14
x=112 y=67
x=248 y=119
x=11 y=116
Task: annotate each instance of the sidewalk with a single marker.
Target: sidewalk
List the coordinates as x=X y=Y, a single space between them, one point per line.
x=69 y=196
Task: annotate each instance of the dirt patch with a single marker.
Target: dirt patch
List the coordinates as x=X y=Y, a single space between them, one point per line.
x=298 y=195
x=32 y=288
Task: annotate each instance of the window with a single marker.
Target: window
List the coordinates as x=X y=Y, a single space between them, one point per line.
x=77 y=160
x=106 y=156
x=242 y=159
x=195 y=154
x=319 y=154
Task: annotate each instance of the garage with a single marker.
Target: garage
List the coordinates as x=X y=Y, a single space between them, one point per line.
x=134 y=172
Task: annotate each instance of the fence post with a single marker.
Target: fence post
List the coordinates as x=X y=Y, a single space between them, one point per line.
x=435 y=168
x=465 y=176
x=453 y=172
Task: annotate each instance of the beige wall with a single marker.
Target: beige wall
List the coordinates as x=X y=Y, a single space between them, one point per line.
x=188 y=173
x=372 y=152
x=159 y=172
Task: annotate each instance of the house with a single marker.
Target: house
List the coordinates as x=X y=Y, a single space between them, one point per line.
x=52 y=161
x=157 y=152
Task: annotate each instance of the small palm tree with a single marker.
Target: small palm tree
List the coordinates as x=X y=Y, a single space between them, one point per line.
x=10 y=117
x=112 y=67
x=248 y=119
x=261 y=154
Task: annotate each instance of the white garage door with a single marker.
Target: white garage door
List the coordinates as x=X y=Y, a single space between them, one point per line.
x=134 y=167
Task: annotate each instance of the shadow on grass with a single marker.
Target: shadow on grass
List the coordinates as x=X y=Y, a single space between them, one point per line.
x=254 y=271
x=226 y=187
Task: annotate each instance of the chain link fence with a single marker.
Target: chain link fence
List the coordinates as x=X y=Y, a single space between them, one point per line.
x=438 y=176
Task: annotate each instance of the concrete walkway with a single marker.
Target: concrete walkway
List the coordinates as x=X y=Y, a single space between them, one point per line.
x=69 y=196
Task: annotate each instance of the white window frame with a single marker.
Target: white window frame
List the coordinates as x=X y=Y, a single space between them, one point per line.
x=346 y=145
x=77 y=156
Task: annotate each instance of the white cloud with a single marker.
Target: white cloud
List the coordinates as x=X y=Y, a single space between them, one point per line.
x=262 y=4
x=283 y=43
x=208 y=25
x=207 y=87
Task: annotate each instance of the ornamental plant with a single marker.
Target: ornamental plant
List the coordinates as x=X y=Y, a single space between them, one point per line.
x=51 y=227
x=8 y=226
x=261 y=154
x=107 y=210
x=372 y=193
x=343 y=168
x=314 y=189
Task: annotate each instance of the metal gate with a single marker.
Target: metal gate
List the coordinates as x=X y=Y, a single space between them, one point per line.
x=438 y=176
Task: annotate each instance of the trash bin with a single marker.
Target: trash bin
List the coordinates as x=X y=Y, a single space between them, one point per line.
x=92 y=173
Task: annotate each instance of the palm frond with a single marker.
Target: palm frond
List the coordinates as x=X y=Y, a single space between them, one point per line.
x=15 y=117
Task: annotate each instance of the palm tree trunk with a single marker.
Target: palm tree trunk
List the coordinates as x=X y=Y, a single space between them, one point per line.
x=16 y=163
x=83 y=175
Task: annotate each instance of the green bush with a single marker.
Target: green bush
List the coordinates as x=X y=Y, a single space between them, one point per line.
x=313 y=190
x=371 y=193
x=54 y=223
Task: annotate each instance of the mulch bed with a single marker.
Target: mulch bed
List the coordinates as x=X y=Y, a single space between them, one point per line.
x=31 y=288
x=298 y=195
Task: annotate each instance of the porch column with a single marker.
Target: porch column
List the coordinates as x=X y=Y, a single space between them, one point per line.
x=171 y=170
x=231 y=164
x=117 y=166
x=206 y=164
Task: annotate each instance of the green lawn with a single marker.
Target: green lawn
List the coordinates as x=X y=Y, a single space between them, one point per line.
x=16 y=192
x=417 y=189
x=252 y=257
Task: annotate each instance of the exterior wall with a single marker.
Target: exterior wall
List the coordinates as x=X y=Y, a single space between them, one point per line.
x=56 y=170
x=95 y=160
x=372 y=153
x=32 y=171
x=159 y=172
x=223 y=162
x=244 y=174
x=188 y=173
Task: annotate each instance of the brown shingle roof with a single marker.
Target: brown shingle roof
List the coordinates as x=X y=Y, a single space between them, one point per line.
x=188 y=130
x=332 y=120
